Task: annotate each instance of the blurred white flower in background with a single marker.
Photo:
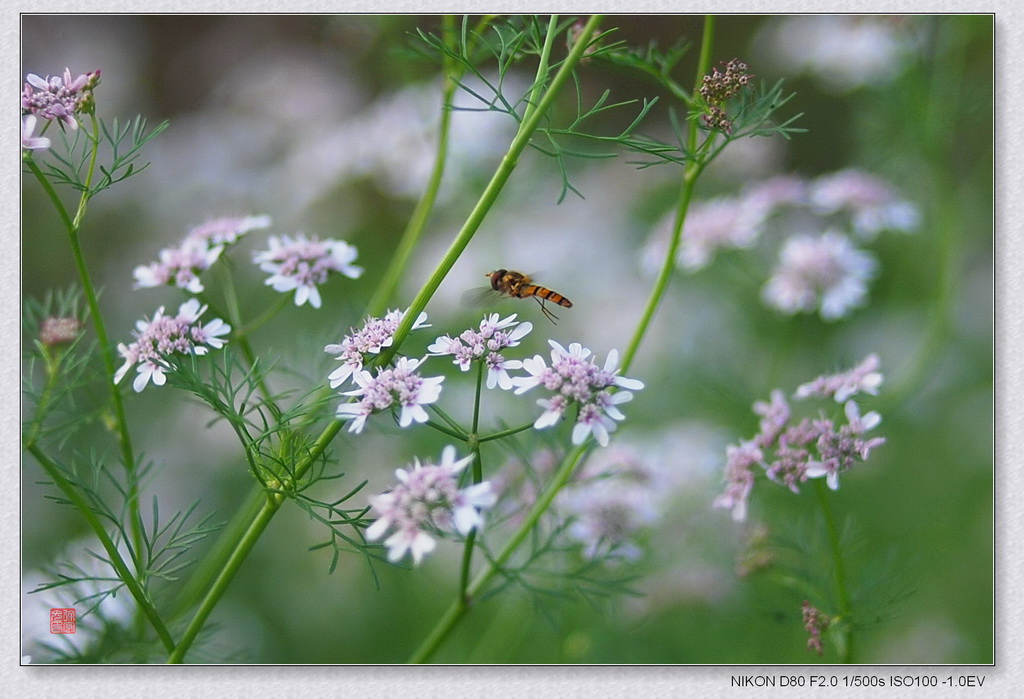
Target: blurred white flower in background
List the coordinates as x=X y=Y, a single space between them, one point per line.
x=842 y=52
x=823 y=272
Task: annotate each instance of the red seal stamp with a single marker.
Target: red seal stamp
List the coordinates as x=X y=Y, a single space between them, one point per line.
x=62 y=620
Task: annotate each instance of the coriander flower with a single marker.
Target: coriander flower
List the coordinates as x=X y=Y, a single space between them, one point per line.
x=301 y=264
x=823 y=272
x=791 y=454
x=575 y=379
x=399 y=386
x=839 y=448
x=201 y=247
x=611 y=501
x=863 y=378
x=180 y=266
x=873 y=205
x=428 y=499
x=739 y=477
x=485 y=345
x=719 y=224
x=791 y=451
x=163 y=336
x=226 y=230
x=774 y=416
x=375 y=335
x=28 y=141
x=58 y=98
x=59 y=331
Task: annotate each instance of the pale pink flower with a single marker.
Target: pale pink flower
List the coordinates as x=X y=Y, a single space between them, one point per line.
x=428 y=499
x=226 y=230
x=824 y=273
x=791 y=452
x=375 y=335
x=180 y=266
x=399 y=387
x=57 y=98
x=739 y=476
x=863 y=378
x=163 y=336
x=485 y=344
x=839 y=448
x=871 y=202
x=301 y=264
x=575 y=379
x=28 y=141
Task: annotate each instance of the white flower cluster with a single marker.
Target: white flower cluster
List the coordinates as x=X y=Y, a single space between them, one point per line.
x=575 y=379
x=202 y=246
x=301 y=264
x=486 y=344
x=573 y=376
x=428 y=499
x=163 y=336
x=375 y=335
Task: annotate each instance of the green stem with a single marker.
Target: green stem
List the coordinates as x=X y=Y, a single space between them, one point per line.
x=455 y=427
x=707 y=43
x=504 y=433
x=227 y=573
x=532 y=104
x=836 y=547
x=425 y=206
x=493 y=189
x=123 y=571
x=42 y=405
x=690 y=177
x=234 y=313
x=263 y=318
x=444 y=430
x=478 y=471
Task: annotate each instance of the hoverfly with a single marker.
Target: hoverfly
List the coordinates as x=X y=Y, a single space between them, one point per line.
x=518 y=285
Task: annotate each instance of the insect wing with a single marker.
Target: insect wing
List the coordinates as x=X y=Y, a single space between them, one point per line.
x=479 y=297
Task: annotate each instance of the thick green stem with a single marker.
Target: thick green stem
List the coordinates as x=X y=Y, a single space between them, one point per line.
x=227 y=573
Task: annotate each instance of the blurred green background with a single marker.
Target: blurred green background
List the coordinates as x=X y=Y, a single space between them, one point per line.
x=324 y=123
